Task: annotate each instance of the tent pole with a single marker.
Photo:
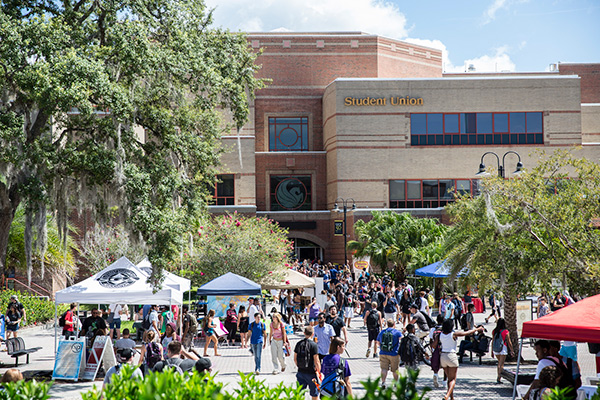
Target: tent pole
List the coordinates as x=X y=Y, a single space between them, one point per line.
x=517 y=373
x=55 y=322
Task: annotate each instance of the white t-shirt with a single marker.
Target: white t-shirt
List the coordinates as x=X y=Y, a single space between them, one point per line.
x=424 y=305
x=116 y=310
x=543 y=363
x=154 y=317
x=253 y=309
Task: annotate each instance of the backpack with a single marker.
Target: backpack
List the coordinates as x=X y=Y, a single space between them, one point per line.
x=303 y=354
x=430 y=300
x=418 y=303
x=430 y=322
x=387 y=341
x=463 y=322
x=373 y=319
x=146 y=322
x=152 y=354
x=173 y=366
x=333 y=384
x=193 y=324
x=62 y=321
x=498 y=343
x=566 y=380
x=408 y=349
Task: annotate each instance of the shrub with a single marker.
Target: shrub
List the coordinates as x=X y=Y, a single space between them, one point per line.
x=25 y=390
x=37 y=309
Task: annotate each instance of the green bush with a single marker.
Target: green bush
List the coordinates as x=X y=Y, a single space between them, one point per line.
x=38 y=310
x=25 y=390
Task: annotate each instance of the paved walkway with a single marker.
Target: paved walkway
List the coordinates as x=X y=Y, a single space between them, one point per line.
x=474 y=381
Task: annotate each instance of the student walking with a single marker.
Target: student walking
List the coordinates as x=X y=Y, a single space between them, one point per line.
x=277 y=338
x=501 y=346
x=373 y=321
x=258 y=335
x=243 y=323
x=209 y=326
x=332 y=363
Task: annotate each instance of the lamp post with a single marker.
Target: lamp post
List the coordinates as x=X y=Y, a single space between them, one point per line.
x=501 y=167
x=345 y=203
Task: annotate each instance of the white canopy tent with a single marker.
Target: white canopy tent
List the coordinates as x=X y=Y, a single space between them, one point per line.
x=171 y=280
x=121 y=282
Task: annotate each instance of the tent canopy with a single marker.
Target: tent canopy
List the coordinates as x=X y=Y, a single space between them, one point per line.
x=291 y=280
x=578 y=322
x=230 y=284
x=438 y=269
x=171 y=280
x=121 y=282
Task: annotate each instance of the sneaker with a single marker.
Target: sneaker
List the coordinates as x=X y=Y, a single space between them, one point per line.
x=368 y=352
x=375 y=355
x=383 y=386
x=435 y=381
x=283 y=369
x=275 y=372
x=257 y=372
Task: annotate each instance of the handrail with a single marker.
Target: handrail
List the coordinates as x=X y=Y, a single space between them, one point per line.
x=29 y=287
x=42 y=288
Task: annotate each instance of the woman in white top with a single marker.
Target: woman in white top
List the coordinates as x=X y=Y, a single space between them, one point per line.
x=449 y=359
x=115 y=324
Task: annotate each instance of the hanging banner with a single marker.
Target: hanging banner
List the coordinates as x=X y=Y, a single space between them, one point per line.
x=97 y=354
x=68 y=364
x=338 y=228
x=361 y=264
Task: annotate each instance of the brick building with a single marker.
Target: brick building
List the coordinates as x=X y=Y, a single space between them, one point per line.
x=375 y=120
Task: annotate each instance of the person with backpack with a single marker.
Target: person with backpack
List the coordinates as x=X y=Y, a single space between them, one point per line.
x=391 y=309
x=421 y=320
x=152 y=351
x=337 y=323
x=208 y=326
x=373 y=321
x=67 y=321
x=336 y=371
x=501 y=346
x=545 y=358
x=448 y=358
x=190 y=327
x=411 y=350
x=458 y=309
x=258 y=335
x=306 y=358
x=434 y=335
x=176 y=360
x=124 y=356
x=169 y=336
x=389 y=342
x=152 y=320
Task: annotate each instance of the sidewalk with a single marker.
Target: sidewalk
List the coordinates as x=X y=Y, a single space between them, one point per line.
x=474 y=381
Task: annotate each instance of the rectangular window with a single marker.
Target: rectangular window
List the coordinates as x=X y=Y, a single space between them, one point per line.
x=428 y=193
x=288 y=134
x=223 y=193
x=485 y=128
x=290 y=193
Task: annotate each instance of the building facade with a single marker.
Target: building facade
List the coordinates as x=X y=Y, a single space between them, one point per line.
x=375 y=122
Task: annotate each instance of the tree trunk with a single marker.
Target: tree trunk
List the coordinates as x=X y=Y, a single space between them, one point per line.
x=7 y=215
x=510 y=316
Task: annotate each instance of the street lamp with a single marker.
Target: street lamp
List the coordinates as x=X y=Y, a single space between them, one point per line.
x=345 y=203
x=501 y=168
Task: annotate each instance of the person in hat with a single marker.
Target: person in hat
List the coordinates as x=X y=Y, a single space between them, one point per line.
x=203 y=365
x=19 y=307
x=124 y=356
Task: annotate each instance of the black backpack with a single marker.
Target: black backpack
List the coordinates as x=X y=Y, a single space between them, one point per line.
x=463 y=322
x=62 y=321
x=152 y=354
x=373 y=319
x=146 y=322
x=408 y=350
x=566 y=379
x=430 y=322
x=304 y=354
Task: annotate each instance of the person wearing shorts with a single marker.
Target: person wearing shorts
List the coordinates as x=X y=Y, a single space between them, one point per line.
x=389 y=360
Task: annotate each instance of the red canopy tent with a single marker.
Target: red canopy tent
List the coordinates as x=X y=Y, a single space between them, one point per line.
x=579 y=322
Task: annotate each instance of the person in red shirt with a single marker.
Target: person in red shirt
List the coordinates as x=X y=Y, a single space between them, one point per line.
x=69 y=328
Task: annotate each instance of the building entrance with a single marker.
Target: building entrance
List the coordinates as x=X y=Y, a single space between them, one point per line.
x=307 y=250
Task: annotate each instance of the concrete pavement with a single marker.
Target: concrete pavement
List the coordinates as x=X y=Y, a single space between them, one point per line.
x=474 y=381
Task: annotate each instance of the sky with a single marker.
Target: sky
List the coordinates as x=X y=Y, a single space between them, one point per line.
x=491 y=35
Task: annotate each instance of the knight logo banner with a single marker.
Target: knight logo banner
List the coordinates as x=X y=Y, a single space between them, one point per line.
x=361 y=264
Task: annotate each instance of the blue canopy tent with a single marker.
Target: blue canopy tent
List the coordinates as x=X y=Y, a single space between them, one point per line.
x=230 y=284
x=438 y=269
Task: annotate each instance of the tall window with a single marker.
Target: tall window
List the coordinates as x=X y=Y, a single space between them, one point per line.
x=428 y=193
x=439 y=129
x=288 y=134
x=223 y=194
x=290 y=193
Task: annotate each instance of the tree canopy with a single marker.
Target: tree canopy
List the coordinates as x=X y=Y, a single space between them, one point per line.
x=398 y=239
x=116 y=103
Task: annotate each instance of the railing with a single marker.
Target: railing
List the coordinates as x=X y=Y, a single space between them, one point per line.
x=15 y=280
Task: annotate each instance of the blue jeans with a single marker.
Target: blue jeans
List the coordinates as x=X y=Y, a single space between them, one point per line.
x=257 y=351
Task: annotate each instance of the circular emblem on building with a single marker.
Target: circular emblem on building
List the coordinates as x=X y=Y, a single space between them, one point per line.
x=291 y=193
x=117 y=278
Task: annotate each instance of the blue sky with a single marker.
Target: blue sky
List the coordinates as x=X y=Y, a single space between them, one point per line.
x=493 y=35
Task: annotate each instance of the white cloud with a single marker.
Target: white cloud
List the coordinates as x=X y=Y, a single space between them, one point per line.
x=372 y=16
x=490 y=14
x=498 y=62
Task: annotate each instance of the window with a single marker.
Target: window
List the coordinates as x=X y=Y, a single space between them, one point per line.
x=288 y=134
x=223 y=193
x=476 y=128
x=290 y=193
x=428 y=193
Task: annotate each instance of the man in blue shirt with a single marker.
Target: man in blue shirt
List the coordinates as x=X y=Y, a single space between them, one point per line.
x=258 y=334
x=389 y=342
x=323 y=334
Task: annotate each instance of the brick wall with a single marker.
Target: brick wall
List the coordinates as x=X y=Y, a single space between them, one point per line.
x=590 y=79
